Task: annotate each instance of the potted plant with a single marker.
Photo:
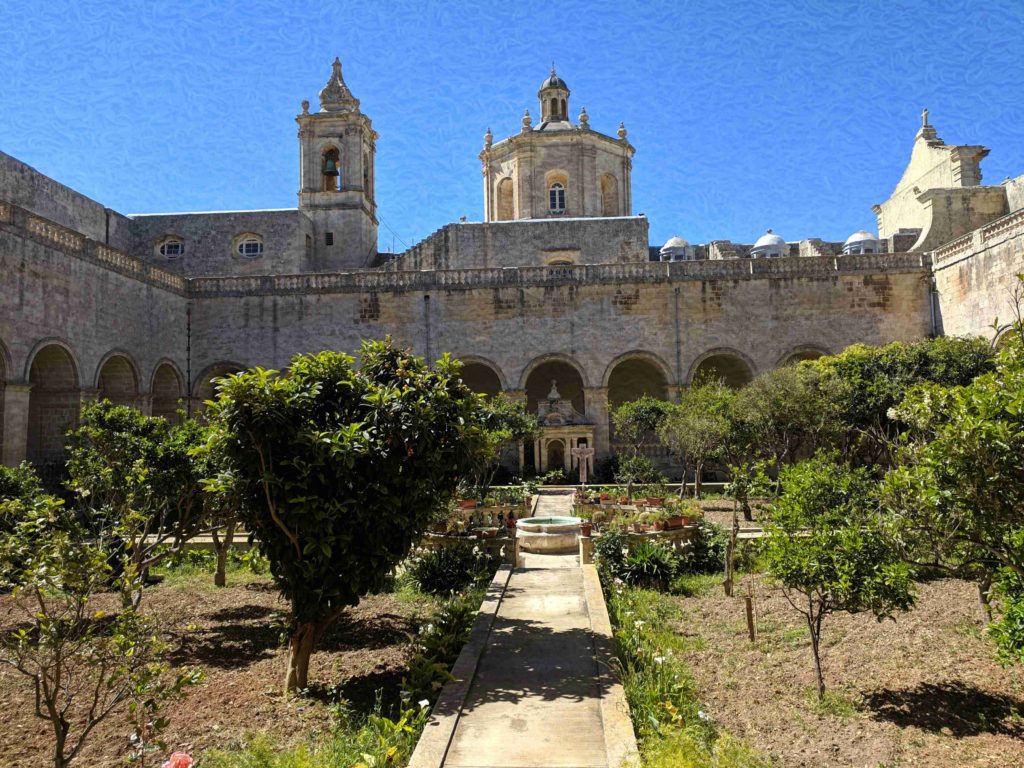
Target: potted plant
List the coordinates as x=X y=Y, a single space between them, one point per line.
x=586 y=528
x=598 y=517
x=467 y=503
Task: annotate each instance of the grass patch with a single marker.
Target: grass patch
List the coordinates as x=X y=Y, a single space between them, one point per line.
x=672 y=729
x=832 y=704
x=695 y=584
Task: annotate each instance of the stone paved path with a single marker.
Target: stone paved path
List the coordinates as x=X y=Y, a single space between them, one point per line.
x=535 y=699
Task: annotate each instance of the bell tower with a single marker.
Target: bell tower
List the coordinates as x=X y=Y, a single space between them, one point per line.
x=336 y=183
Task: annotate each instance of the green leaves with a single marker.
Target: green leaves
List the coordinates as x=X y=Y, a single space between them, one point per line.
x=340 y=468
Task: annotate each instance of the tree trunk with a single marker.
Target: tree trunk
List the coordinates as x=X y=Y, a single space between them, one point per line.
x=815 y=629
x=300 y=648
x=697 y=472
x=220 y=578
x=983 y=597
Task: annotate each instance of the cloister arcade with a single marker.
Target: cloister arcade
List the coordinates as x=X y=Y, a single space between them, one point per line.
x=40 y=405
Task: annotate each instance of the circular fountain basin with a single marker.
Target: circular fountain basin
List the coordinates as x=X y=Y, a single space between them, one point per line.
x=548 y=534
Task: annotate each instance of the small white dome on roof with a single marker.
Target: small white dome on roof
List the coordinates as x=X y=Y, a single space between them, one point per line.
x=675 y=242
x=769 y=240
x=860 y=236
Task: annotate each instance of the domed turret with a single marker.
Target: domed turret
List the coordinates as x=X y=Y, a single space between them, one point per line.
x=861 y=241
x=769 y=245
x=554 y=99
x=676 y=249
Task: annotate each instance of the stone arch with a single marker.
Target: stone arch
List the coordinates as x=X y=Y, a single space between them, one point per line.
x=117 y=379
x=506 y=200
x=731 y=366
x=556 y=192
x=203 y=388
x=53 y=405
x=567 y=373
x=166 y=391
x=482 y=376
x=630 y=377
x=331 y=183
x=1002 y=338
x=802 y=352
x=609 y=195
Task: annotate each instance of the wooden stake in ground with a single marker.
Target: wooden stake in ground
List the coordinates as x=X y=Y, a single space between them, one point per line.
x=749 y=599
x=730 y=555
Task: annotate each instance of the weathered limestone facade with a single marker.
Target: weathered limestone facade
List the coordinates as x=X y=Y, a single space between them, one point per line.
x=148 y=309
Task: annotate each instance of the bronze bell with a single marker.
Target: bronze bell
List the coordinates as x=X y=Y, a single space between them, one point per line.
x=330 y=167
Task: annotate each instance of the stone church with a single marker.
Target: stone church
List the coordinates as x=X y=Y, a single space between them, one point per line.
x=556 y=298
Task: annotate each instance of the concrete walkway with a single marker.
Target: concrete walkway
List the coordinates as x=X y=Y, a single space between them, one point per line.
x=540 y=694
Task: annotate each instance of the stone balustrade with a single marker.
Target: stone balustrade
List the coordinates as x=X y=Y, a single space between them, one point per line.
x=1002 y=228
x=392 y=280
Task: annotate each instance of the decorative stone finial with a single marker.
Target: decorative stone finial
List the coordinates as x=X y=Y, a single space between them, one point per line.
x=488 y=139
x=769 y=231
x=927 y=130
x=336 y=97
x=553 y=394
x=584 y=119
x=527 y=121
x=305 y=107
x=622 y=131
x=924 y=117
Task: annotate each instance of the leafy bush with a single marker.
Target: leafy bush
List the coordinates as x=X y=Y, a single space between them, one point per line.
x=450 y=569
x=439 y=644
x=20 y=482
x=649 y=564
x=610 y=554
x=707 y=550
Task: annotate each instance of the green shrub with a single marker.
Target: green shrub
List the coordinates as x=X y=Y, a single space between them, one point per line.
x=610 y=554
x=20 y=482
x=649 y=564
x=707 y=550
x=439 y=644
x=449 y=569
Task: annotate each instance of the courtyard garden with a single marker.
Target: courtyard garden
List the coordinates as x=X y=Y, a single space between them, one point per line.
x=289 y=580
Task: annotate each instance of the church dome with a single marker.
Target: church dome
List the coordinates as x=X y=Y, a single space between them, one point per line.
x=769 y=244
x=675 y=249
x=554 y=81
x=861 y=241
x=768 y=239
x=860 y=236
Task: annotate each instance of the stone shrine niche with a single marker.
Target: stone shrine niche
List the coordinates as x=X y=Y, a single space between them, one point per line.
x=563 y=431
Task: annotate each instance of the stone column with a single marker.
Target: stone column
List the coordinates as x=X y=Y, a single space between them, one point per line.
x=14 y=443
x=146 y=404
x=597 y=412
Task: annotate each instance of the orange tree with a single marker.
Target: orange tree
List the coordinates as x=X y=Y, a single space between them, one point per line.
x=340 y=468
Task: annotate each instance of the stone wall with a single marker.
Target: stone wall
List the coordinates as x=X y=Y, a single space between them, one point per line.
x=24 y=186
x=673 y=315
x=58 y=289
x=976 y=275
x=209 y=241
x=533 y=242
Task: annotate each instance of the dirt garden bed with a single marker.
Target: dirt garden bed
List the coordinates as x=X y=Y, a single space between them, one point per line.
x=234 y=635
x=921 y=691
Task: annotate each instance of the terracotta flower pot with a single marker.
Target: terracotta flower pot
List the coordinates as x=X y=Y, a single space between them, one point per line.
x=467 y=504
x=675 y=521
x=659 y=526
x=586 y=529
x=656 y=501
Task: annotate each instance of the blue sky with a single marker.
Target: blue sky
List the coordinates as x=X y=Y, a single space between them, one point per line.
x=746 y=115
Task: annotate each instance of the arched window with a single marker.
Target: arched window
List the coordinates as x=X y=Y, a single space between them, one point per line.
x=506 y=202
x=171 y=247
x=556 y=198
x=554 y=109
x=564 y=113
x=609 y=195
x=331 y=169
x=249 y=246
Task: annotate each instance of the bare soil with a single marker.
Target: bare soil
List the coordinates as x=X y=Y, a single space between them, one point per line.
x=234 y=635
x=720 y=512
x=923 y=690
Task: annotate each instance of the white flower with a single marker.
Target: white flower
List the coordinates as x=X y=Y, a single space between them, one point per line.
x=639 y=623
x=659 y=659
x=424 y=703
x=702 y=714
